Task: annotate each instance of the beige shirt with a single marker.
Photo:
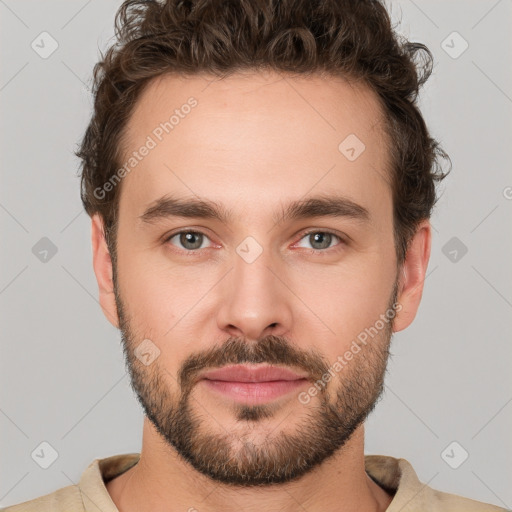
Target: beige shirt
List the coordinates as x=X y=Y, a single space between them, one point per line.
x=394 y=475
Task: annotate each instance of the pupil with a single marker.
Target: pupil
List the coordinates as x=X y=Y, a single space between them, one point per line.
x=188 y=238
x=322 y=237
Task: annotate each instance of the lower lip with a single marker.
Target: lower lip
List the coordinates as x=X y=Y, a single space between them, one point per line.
x=254 y=392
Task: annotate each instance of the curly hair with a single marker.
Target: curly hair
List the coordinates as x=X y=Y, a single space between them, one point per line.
x=348 y=38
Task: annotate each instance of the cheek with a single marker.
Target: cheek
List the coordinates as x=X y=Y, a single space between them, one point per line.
x=344 y=301
x=163 y=298
x=147 y=292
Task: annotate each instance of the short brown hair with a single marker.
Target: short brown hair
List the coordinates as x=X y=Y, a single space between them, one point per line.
x=349 y=38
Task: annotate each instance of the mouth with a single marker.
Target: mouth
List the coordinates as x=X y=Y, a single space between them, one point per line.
x=253 y=384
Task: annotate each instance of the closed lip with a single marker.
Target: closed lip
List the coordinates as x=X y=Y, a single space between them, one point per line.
x=248 y=373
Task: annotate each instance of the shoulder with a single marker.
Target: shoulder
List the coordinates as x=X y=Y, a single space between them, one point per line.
x=447 y=502
x=65 y=499
x=90 y=489
x=398 y=478
x=432 y=500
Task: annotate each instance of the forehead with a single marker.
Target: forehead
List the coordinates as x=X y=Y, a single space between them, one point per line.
x=252 y=137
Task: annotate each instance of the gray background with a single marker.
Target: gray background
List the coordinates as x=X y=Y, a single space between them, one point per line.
x=62 y=373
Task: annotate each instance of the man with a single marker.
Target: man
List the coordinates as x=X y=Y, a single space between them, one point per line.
x=260 y=183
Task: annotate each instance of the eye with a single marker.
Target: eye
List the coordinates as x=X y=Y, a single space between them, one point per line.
x=188 y=240
x=191 y=240
x=321 y=240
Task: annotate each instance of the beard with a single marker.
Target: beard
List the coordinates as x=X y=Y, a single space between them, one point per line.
x=332 y=417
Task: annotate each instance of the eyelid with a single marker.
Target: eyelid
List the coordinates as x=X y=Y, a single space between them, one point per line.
x=344 y=239
x=167 y=237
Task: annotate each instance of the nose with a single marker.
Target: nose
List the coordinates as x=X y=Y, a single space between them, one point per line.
x=255 y=302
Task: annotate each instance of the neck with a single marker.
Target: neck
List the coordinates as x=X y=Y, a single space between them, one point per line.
x=162 y=480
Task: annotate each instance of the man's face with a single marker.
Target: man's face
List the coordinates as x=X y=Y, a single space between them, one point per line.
x=260 y=286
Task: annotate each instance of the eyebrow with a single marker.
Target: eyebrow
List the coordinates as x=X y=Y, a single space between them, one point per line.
x=317 y=206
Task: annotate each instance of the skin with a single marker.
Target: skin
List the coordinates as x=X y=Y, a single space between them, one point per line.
x=255 y=142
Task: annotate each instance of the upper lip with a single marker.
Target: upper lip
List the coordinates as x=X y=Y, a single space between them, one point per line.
x=248 y=373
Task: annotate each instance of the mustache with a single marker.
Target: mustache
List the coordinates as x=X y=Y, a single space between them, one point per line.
x=271 y=349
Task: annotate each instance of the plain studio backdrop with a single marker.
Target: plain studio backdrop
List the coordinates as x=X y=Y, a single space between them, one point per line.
x=447 y=406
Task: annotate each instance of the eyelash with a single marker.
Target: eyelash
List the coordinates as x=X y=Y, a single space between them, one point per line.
x=317 y=252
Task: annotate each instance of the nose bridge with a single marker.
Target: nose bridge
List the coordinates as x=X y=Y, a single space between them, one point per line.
x=255 y=300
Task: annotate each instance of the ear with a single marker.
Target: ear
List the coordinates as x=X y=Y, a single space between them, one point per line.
x=412 y=276
x=102 y=264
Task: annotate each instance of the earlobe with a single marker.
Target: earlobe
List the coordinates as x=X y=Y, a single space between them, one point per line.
x=412 y=276
x=102 y=264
